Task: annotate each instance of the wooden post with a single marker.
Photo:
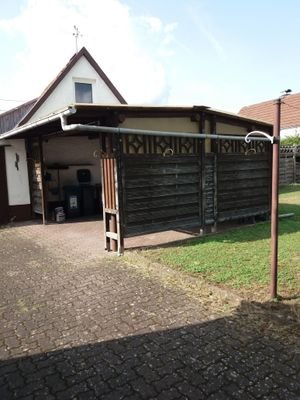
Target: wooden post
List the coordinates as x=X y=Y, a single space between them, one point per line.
x=274 y=211
x=111 y=197
x=294 y=164
x=113 y=228
x=214 y=149
x=43 y=192
x=119 y=193
x=203 y=177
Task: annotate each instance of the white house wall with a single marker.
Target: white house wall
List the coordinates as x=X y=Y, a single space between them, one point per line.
x=17 y=173
x=64 y=93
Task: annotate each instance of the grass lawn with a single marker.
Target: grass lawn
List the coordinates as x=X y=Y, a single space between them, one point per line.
x=240 y=258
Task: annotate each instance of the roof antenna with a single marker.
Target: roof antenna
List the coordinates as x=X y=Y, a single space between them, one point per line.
x=76 y=34
x=286 y=92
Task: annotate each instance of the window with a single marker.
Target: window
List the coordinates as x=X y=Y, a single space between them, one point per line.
x=83 y=92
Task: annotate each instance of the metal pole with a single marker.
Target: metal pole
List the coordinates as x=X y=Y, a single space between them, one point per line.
x=274 y=211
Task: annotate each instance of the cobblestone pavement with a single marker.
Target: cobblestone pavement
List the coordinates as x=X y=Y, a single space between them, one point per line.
x=80 y=327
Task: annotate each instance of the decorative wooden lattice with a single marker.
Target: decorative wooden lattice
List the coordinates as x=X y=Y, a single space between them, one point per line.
x=138 y=144
x=290 y=150
x=241 y=147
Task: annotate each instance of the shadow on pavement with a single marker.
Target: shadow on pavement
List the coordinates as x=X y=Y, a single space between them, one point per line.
x=241 y=356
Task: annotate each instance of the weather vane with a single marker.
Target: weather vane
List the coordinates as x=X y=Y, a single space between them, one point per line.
x=76 y=34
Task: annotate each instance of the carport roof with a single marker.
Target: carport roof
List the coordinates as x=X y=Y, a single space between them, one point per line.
x=93 y=113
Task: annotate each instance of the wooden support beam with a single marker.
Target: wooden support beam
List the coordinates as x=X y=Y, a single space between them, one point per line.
x=202 y=173
x=111 y=195
x=43 y=191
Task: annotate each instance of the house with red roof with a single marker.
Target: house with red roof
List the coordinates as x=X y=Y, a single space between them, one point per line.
x=290 y=126
x=290 y=113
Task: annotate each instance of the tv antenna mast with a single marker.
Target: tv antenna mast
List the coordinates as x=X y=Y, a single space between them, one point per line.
x=76 y=34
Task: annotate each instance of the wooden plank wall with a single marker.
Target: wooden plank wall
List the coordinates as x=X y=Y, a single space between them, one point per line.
x=286 y=169
x=110 y=198
x=289 y=165
x=35 y=175
x=210 y=188
x=108 y=184
x=298 y=172
x=243 y=185
x=161 y=193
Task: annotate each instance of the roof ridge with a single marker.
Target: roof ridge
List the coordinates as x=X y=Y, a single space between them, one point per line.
x=290 y=111
x=292 y=95
x=55 y=82
x=17 y=107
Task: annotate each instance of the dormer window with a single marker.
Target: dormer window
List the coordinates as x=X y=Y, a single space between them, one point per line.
x=83 y=92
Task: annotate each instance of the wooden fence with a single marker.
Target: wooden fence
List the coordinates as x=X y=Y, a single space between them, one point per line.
x=161 y=192
x=289 y=166
x=243 y=185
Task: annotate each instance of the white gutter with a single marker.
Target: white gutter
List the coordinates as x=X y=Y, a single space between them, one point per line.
x=24 y=128
x=127 y=131
x=131 y=131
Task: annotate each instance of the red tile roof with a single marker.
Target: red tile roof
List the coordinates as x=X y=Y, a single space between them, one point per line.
x=290 y=111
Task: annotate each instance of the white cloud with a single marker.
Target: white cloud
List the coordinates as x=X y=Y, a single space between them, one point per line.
x=202 y=22
x=153 y=23
x=109 y=33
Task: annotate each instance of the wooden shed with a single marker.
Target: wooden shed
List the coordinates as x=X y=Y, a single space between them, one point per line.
x=162 y=181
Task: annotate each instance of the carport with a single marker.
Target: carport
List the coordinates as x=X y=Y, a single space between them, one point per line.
x=161 y=167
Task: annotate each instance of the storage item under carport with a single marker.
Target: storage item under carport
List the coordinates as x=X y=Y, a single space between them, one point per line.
x=73 y=201
x=88 y=200
x=87 y=192
x=84 y=176
x=59 y=215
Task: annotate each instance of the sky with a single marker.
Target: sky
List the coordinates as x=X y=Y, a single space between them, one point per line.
x=223 y=54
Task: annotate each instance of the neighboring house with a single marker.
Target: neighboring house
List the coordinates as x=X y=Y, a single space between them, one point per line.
x=290 y=113
x=153 y=171
x=290 y=126
x=81 y=81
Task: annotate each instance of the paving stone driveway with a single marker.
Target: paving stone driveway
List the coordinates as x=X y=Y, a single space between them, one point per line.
x=76 y=325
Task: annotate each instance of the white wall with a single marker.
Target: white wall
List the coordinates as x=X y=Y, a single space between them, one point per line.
x=175 y=124
x=228 y=129
x=17 y=180
x=64 y=93
x=67 y=151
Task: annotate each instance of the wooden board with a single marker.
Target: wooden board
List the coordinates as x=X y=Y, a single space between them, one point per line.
x=243 y=185
x=36 y=177
x=3 y=189
x=297 y=172
x=160 y=192
x=210 y=189
x=287 y=173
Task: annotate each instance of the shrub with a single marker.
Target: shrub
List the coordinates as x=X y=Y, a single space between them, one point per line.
x=291 y=140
